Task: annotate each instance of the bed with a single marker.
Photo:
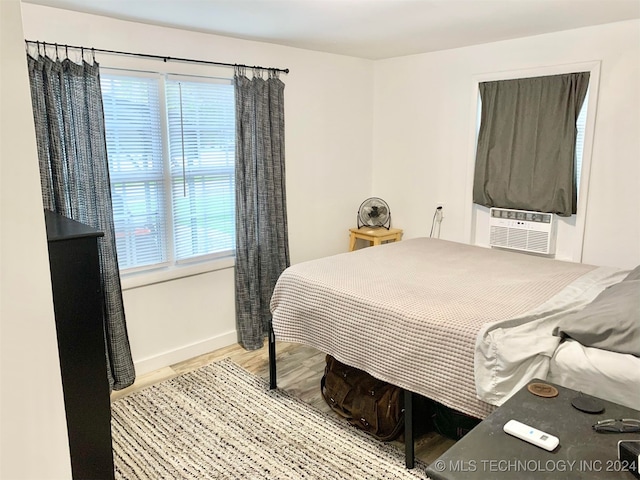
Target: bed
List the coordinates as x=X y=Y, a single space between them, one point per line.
x=463 y=325
x=598 y=372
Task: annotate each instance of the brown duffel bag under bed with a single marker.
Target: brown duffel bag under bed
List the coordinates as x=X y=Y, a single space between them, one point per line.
x=364 y=401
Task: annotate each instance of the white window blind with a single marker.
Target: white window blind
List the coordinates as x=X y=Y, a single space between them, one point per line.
x=171 y=149
x=581 y=125
x=134 y=148
x=201 y=122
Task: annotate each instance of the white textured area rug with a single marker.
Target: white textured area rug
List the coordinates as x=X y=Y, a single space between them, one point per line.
x=222 y=422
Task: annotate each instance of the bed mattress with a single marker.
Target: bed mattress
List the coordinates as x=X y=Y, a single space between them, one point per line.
x=410 y=312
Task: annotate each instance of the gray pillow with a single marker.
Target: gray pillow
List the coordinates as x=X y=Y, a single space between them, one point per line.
x=610 y=322
x=633 y=275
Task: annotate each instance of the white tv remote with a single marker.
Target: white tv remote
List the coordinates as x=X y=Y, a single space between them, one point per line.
x=531 y=435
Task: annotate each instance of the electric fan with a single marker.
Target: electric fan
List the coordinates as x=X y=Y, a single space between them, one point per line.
x=374 y=212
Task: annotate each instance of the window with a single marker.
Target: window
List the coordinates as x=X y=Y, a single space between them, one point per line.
x=528 y=155
x=581 y=126
x=171 y=148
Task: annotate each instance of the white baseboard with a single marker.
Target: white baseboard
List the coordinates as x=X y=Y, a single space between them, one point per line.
x=171 y=357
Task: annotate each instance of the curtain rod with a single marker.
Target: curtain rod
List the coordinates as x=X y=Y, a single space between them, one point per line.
x=155 y=57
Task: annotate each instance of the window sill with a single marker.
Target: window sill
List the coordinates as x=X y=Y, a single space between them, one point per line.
x=136 y=280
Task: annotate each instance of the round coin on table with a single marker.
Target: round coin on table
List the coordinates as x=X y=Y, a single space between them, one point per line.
x=543 y=390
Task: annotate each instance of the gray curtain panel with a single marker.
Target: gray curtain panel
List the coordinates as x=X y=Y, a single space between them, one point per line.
x=72 y=151
x=526 y=144
x=262 y=246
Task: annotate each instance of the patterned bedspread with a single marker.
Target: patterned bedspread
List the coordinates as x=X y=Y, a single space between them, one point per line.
x=409 y=312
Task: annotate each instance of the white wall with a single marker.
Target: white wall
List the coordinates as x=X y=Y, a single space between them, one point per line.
x=424 y=124
x=33 y=427
x=328 y=115
x=412 y=145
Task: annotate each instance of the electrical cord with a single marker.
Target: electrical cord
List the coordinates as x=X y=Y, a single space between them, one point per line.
x=433 y=222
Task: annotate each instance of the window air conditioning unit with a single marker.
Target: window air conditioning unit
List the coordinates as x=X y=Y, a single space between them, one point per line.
x=533 y=232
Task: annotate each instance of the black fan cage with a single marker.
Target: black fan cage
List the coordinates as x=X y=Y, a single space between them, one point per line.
x=374 y=212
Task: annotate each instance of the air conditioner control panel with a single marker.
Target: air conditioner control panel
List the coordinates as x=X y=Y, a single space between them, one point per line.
x=521 y=215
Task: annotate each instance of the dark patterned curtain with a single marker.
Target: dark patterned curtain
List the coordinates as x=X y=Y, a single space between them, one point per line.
x=262 y=246
x=72 y=151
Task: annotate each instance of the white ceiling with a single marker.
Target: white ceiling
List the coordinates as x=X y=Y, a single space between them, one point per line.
x=373 y=29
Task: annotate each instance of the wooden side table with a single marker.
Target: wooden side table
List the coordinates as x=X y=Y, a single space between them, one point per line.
x=374 y=235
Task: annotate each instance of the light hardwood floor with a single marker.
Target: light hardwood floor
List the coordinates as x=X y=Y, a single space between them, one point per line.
x=299 y=369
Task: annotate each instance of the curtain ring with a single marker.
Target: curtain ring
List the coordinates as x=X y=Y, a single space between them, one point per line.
x=82 y=53
x=66 y=51
x=57 y=56
x=93 y=55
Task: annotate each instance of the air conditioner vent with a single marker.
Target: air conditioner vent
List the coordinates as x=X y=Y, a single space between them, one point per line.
x=522 y=230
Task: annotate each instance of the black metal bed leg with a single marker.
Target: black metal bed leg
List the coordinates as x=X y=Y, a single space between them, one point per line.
x=409 y=455
x=272 y=359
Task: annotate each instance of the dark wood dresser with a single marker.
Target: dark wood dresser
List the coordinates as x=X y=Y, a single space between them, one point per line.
x=78 y=307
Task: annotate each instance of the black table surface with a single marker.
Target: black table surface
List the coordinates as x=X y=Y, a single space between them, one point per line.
x=487 y=452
